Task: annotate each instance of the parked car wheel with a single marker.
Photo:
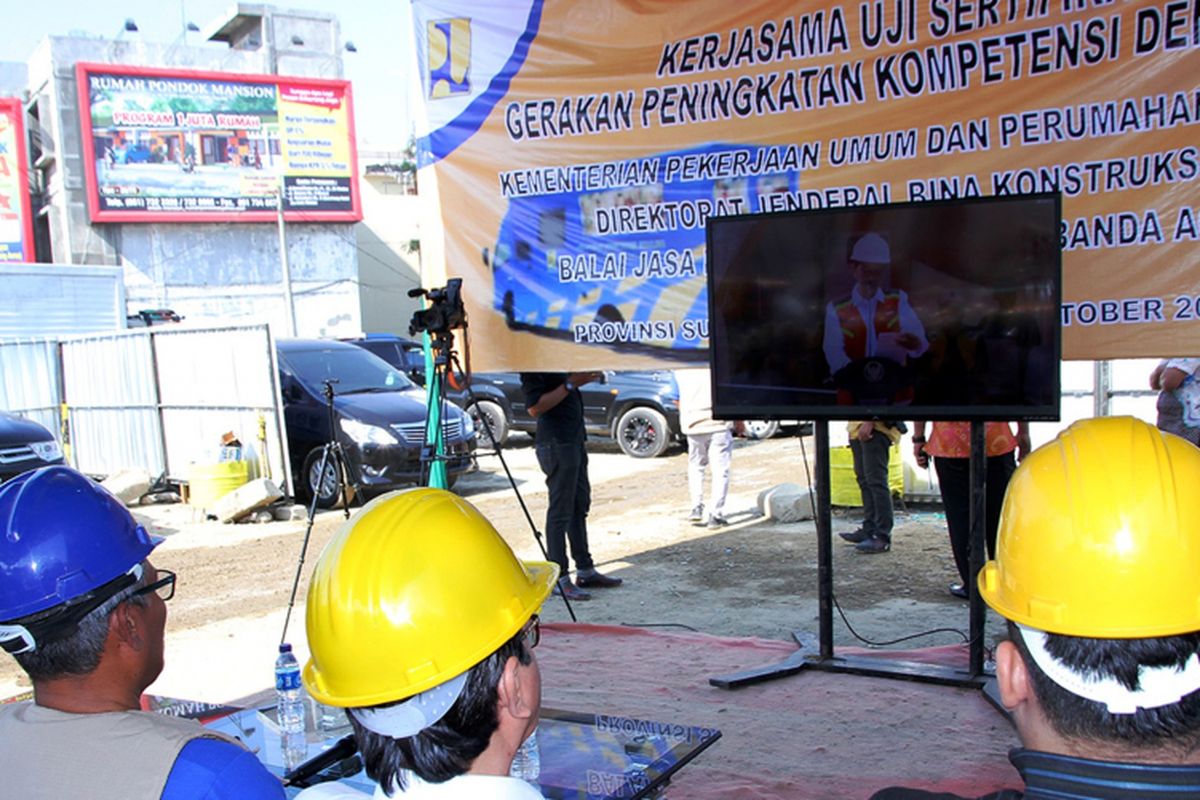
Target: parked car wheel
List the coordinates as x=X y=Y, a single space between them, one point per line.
x=496 y=421
x=760 y=428
x=642 y=432
x=323 y=486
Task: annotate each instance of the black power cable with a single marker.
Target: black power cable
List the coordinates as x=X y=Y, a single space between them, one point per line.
x=837 y=605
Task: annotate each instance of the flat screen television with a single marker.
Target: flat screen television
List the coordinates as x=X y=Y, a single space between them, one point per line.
x=944 y=310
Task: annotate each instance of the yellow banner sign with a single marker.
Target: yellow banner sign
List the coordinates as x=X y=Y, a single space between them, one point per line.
x=578 y=149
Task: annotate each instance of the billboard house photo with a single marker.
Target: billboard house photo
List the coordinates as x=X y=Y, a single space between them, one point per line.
x=172 y=145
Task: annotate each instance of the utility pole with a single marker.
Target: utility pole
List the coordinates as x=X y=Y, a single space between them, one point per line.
x=289 y=305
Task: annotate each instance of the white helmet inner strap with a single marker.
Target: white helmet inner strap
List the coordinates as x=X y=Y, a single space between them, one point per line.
x=1157 y=686
x=415 y=714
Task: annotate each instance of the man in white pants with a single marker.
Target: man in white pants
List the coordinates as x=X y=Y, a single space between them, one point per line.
x=710 y=444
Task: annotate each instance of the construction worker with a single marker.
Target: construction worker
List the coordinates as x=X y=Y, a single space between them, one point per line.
x=422 y=623
x=83 y=614
x=1097 y=571
x=872 y=323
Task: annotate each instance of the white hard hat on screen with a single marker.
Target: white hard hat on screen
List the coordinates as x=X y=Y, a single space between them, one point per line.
x=871 y=248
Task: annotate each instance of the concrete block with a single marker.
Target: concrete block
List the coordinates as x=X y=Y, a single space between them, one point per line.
x=244 y=499
x=287 y=513
x=128 y=485
x=786 y=502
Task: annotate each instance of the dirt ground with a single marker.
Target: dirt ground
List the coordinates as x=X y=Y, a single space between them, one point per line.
x=755 y=577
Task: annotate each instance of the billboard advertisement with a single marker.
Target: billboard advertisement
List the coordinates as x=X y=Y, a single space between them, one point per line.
x=172 y=146
x=16 y=217
x=576 y=152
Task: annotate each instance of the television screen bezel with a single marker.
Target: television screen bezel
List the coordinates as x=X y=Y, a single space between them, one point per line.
x=1045 y=412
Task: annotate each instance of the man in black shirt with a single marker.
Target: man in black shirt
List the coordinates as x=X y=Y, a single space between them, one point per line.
x=553 y=399
x=1097 y=571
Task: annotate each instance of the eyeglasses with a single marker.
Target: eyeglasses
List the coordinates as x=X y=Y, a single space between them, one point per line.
x=532 y=632
x=164 y=587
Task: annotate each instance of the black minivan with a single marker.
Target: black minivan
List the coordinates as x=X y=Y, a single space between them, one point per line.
x=380 y=415
x=25 y=445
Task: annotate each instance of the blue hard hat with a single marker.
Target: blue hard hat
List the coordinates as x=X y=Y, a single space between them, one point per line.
x=62 y=536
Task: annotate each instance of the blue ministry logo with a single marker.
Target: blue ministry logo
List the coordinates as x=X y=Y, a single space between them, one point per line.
x=449 y=57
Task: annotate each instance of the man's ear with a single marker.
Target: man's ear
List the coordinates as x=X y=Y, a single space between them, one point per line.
x=1012 y=677
x=514 y=692
x=126 y=627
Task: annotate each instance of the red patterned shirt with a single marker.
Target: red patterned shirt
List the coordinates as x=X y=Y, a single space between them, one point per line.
x=953 y=439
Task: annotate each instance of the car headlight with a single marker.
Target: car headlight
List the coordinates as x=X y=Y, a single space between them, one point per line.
x=46 y=451
x=362 y=433
x=468 y=425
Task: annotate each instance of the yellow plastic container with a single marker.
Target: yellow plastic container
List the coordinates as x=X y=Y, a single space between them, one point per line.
x=843 y=486
x=208 y=483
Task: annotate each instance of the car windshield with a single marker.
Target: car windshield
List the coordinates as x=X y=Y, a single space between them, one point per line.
x=354 y=369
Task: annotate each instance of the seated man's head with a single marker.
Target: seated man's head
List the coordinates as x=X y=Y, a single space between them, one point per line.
x=75 y=586
x=1097 y=570
x=422 y=623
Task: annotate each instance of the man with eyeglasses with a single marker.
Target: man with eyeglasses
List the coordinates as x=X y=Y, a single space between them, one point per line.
x=421 y=623
x=83 y=612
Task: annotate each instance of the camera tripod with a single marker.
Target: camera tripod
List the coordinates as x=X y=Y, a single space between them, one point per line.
x=331 y=470
x=433 y=457
x=445 y=364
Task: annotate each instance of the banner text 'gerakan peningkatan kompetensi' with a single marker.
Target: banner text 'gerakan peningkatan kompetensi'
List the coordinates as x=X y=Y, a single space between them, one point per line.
x=579 y=150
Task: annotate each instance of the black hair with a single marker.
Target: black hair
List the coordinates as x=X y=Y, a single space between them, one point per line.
x=447 y=748
x=1176 y=725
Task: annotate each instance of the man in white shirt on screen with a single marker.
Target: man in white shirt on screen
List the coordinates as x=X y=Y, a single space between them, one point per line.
x=894 y=331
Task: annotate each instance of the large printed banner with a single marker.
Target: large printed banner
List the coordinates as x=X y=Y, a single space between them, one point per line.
x=16 y=218
x=169 y=145
x=577 y=149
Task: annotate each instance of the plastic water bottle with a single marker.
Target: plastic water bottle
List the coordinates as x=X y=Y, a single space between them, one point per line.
x=527 y=763
x=289 y=696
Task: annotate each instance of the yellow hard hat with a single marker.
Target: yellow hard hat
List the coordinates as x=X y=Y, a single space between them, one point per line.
x=415 y=589
x=1099 y=535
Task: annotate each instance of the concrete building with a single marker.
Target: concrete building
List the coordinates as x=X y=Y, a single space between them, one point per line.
x=389 y=253
x=221 y=272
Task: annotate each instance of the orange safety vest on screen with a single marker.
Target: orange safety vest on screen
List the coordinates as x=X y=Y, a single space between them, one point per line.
x=854 y=328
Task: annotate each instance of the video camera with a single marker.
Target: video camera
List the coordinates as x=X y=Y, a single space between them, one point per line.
x=445 y=311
